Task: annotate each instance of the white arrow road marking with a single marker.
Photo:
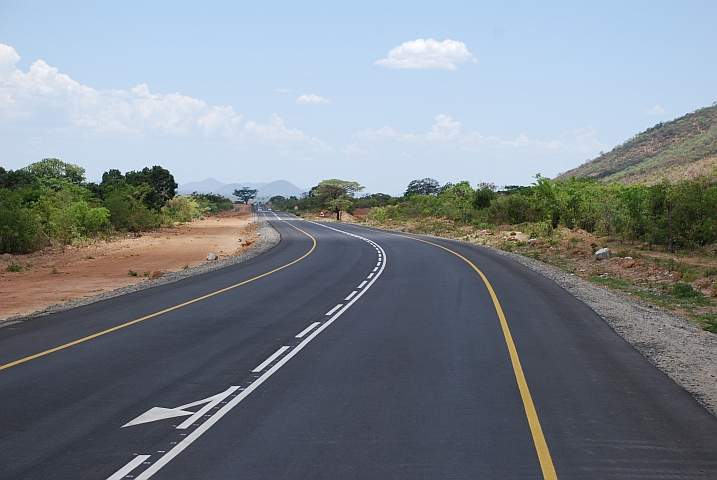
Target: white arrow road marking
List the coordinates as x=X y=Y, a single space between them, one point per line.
x=160 y=413
x=157 y=413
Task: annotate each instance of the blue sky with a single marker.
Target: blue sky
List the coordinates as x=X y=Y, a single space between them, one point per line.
x=376 y=92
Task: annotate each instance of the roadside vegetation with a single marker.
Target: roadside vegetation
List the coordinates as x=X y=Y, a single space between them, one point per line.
x=50 y=203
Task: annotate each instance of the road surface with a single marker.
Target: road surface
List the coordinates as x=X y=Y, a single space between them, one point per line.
x=344 y=352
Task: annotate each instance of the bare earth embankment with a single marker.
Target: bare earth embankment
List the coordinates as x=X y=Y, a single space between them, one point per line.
x=56 y=275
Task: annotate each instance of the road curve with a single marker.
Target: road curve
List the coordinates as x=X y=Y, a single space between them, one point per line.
x=344 y=352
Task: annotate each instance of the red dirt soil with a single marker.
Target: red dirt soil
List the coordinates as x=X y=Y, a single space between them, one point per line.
x=55 y=275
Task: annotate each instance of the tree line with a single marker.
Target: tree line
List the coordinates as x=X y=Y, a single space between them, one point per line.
x=673 y=215
x=50 y=203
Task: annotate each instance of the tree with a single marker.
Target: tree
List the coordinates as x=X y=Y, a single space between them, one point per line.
x=160 y=181
x=54 y=168
x=245 y=194
x=425 y=186
x=337 y=194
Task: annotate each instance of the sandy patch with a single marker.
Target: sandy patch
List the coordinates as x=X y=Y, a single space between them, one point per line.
x=52 y=276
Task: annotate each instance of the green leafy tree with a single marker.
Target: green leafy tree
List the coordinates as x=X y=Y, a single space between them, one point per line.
x=337 y=194
x=17 y=179
x=54 y=168
x=245 y=194
x=162 y=186
x=424 y=186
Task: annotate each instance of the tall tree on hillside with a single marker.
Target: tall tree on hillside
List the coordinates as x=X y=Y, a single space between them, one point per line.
x=424 y=186
x=245 y=194
x=337 y=194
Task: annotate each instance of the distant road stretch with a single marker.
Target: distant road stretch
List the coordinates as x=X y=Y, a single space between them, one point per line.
x=344 y=352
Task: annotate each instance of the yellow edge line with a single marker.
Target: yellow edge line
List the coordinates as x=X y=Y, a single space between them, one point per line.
x=204 y=297
x=541 y=446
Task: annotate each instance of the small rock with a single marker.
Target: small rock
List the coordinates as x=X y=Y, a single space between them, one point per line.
x=211 y=257
x=532 y=241
x=602 y=254
x=156 y=274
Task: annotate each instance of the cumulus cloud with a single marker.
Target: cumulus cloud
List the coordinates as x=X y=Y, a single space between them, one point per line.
x=446 y=135
x=384 y=132
x=656 y=110
x=275 y=133
x=428 y=54
x=43 y=97
x=312 y=99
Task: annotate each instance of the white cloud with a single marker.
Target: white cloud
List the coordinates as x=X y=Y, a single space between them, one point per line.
x=353 y=149
x=656 y=110
x=312 y=99
x=446 y=135
x=428 y=54
x=384 y=132
x=276 y=134
x=45 y=98
x=282 y=90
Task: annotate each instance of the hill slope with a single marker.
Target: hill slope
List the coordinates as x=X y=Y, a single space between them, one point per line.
x=680 y=149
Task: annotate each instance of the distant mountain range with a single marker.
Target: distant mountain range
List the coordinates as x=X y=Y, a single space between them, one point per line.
x=265 y=190
x=681 y=149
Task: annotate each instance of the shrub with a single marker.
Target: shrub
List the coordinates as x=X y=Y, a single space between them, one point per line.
x=14 y=267
x=181 y=209
x=685 y=290
x=19 y=226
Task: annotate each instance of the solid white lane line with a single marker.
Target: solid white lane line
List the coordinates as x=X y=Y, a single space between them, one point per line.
x=198 y=414
x=189 y=439
x=270 y=359
x=331 y=312
x=124 y=471
x=351 y=295
x=370 y=275
x=308 y=329
x=363 y=283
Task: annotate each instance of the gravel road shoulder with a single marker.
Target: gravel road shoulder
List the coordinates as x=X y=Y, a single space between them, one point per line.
x=268 y=239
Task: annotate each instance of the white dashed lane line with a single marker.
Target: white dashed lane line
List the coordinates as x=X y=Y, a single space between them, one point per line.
x=235 y=394
x=308 y=329
x=276 y=355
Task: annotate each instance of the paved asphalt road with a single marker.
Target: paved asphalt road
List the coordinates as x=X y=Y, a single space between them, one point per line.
x=411 y=377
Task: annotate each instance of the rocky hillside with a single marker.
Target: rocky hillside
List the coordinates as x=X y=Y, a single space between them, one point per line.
x=684 y=148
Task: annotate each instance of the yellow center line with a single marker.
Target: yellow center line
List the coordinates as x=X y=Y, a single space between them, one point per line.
x=198 y=299
x=541 y=446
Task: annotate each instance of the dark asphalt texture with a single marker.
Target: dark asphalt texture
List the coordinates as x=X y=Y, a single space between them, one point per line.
x=414 y=380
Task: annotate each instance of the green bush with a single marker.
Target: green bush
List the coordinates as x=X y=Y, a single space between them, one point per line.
x=128 y=212
x=14 y=267
x=181 y=209
x=685 y=290
x=19 y=225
